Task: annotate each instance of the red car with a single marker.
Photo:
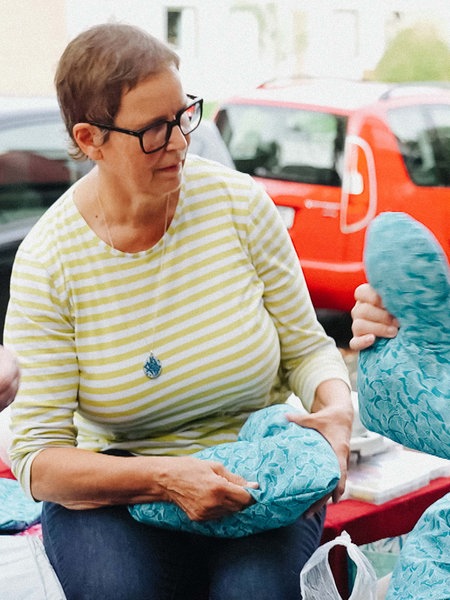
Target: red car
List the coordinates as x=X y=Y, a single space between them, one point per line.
x=333 y=154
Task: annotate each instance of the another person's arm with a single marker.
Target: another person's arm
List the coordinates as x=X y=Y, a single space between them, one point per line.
x=9 y=377
x=370 y=319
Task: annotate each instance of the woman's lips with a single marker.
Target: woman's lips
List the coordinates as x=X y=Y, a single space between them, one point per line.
x=173 y=168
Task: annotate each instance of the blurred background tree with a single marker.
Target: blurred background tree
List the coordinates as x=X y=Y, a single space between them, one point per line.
x=415 y=54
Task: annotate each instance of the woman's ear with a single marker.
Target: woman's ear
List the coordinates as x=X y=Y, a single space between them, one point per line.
x=89 y=139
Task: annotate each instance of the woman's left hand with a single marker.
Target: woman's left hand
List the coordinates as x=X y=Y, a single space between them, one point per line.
x=331 y=416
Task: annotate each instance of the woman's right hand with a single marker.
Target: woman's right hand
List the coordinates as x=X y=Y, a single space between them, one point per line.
x=80 y=479
x=205 y=489
x=370 y=319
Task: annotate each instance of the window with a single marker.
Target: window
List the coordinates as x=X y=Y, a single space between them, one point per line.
x=181 y=29
x=423 y=135
x=345 y=29
x=174 y=27
x=283 y=143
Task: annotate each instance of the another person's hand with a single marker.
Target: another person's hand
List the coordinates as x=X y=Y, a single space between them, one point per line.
x=370 y=319
x=9 y=377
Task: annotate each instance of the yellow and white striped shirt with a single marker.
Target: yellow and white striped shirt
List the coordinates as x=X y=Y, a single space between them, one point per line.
x=226 y=314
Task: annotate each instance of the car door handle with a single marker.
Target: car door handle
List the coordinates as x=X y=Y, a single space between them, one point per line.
x=310 y=203
x=329 y=209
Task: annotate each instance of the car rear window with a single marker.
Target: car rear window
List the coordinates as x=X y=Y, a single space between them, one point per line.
x=276 y=142
x=423 y=135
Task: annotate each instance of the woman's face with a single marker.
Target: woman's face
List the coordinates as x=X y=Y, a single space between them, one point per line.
x=159 y=97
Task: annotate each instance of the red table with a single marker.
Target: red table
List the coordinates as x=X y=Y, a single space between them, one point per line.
x=366 y=522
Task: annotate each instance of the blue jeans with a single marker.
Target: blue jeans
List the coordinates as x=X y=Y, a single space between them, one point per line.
x=104 y=554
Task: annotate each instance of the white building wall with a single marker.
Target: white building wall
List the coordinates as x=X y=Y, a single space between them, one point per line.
x=32 y=36
x=225 y=45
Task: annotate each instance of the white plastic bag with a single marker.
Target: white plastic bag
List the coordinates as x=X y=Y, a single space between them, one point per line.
x=25 y=571
x=317 y=581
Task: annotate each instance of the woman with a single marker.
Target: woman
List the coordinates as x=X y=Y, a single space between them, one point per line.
x=9 y=377
x=155 y=306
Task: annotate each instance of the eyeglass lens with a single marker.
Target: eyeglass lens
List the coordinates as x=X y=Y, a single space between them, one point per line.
x=157 y=136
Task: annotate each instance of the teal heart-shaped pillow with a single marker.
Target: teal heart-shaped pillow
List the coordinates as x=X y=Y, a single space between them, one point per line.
x=294 y=467
x=17 y=511
x=423 y=567
x=404 y=383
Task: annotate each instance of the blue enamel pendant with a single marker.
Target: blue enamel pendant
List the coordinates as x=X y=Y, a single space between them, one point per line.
x=152 y=367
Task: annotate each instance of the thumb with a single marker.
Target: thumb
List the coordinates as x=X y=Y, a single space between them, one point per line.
x=233 y=477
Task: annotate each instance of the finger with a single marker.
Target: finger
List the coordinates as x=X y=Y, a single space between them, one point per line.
x=229 y=504
x=361 y=342
x=382 y=325
x=233 y=478
x=366 y=294
x=254 y=485
x=317 y=506
x=370 y=312
x=307 y=421
x=339 y=489
x=235 y=504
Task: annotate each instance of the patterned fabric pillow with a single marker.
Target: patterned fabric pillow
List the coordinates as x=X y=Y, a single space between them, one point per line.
x=294 y=467
x=17 y=511
x=423 y=570
x=404 y=383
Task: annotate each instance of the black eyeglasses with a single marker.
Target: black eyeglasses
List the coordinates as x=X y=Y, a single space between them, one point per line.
x=156 y=137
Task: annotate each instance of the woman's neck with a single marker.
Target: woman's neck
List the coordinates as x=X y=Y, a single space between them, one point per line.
x=127 y=222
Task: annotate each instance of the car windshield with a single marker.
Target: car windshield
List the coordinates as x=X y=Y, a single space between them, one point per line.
x=304 y=146
x=423 y=135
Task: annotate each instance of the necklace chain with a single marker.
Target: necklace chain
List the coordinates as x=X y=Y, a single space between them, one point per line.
x=152 y=365
x=108 y=231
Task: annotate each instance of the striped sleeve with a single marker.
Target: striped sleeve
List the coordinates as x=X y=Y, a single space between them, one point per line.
x=308 y=355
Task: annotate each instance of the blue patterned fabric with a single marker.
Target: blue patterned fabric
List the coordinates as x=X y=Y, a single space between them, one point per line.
x=17 y=511
x=423 y=569
x=404 y=383
x=294 y=467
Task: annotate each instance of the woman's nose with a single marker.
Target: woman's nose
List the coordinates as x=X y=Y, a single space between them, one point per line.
x=177 y=138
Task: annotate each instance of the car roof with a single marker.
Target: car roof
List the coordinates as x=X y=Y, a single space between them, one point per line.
x=13 y=106
x=335 y=94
